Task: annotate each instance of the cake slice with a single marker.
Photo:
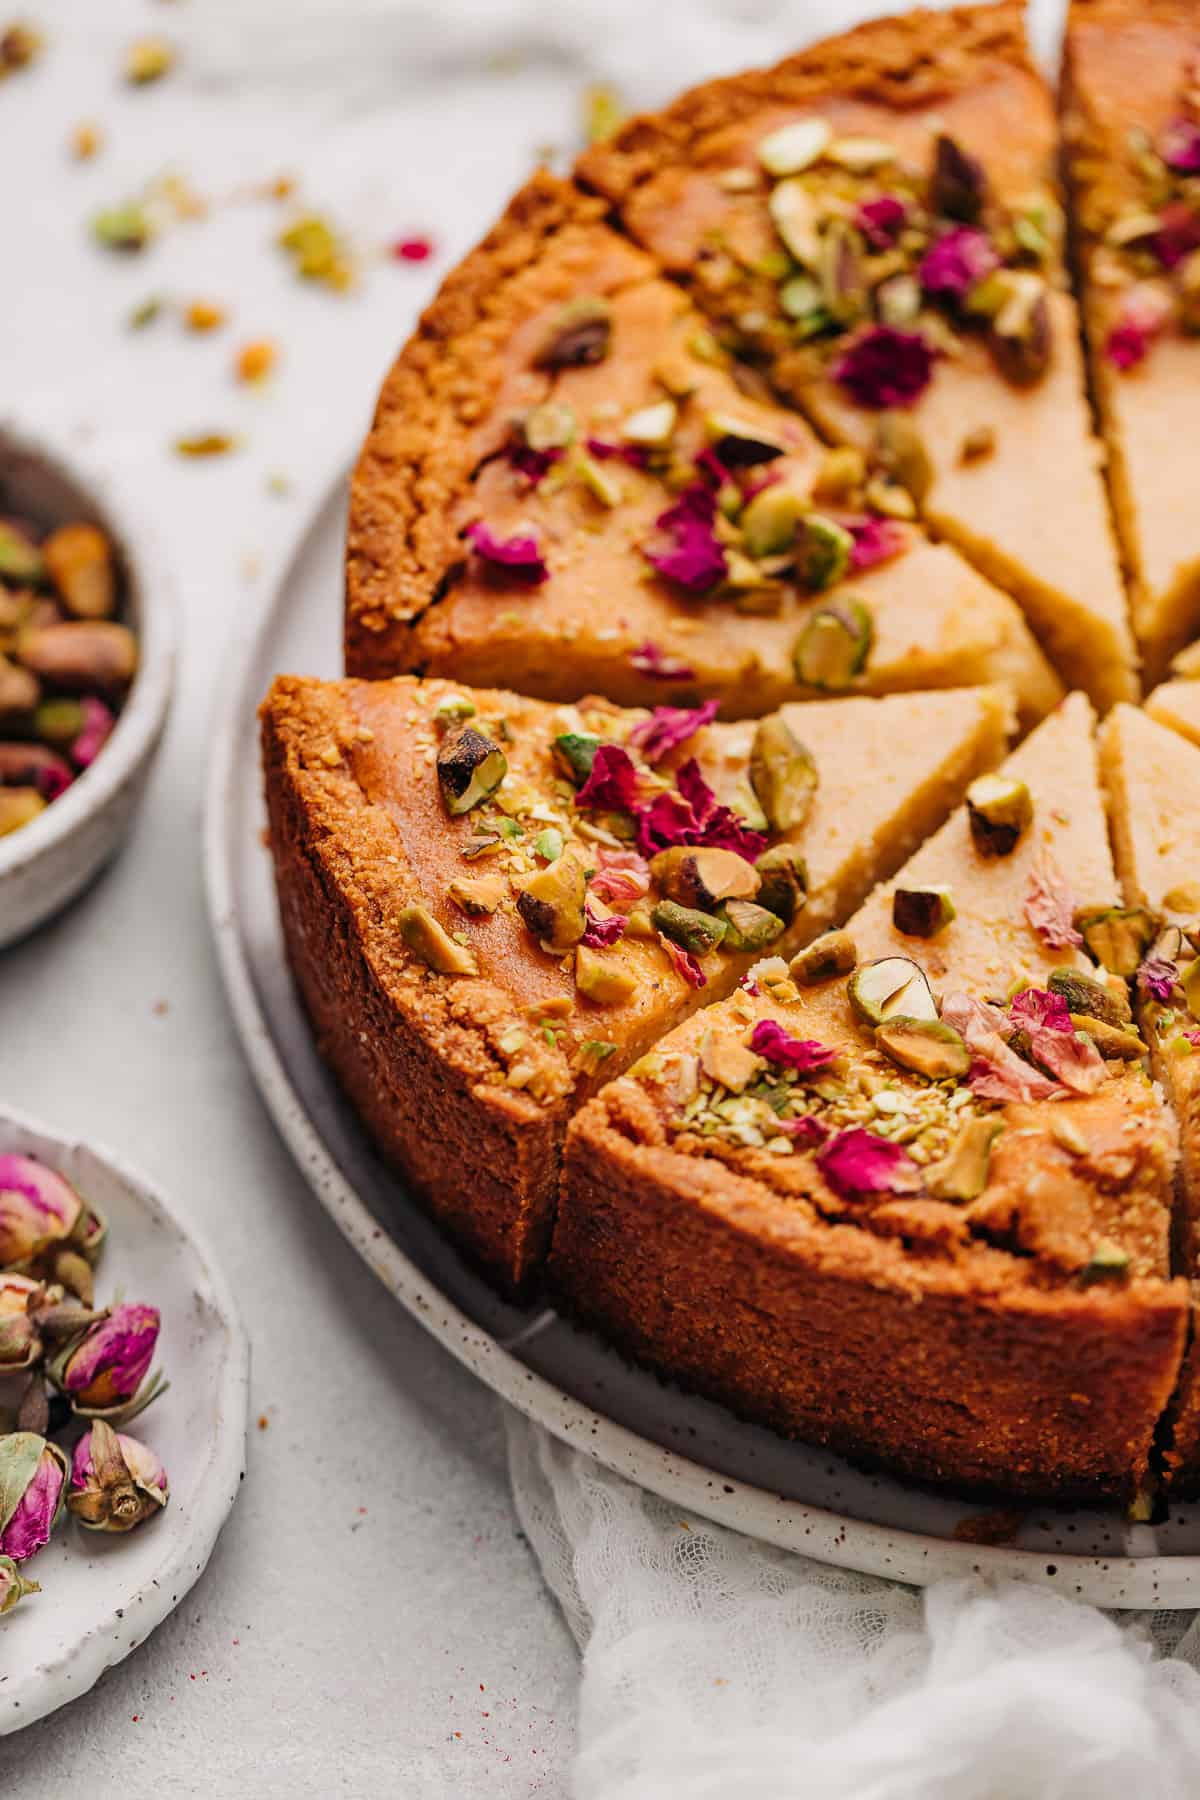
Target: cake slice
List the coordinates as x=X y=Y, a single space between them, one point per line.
x=492 y=904
x=569 y=488
x=1131 y=121
x=1176 y=704
x=911 y=1197
x=876 y=222
x=1153 y=779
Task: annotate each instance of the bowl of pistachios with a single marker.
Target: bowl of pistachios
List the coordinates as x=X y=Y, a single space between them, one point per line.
x=86 y=665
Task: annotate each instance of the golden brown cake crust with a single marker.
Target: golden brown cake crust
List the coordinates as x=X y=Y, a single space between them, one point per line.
x=960 y=1370
x=439 y=403
x=913 y=60
x=416 y=1054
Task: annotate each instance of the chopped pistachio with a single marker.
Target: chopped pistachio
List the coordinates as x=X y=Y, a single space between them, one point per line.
x=575 y=752
x=317 y=252
x=603 y=111
x=480 y=896
x=740 y=443
x=1084 y=994
x=841 y=474
x=783 y=773
x=898 y=300
x=1109 y=1262
x=551 y=426
x=962 y=1173
x=924 y=1046
x=824 y=553
x=429 y=941
x=123 y=227
x=581 y=335
x=800 y=296
x=833 y=953
x=20 y=558
x=899 y=451
x=652 y=425
x=599 y=482
x=551 y=903
x=1189 y=981
x=922 y=912
x=601 y=978
x=999 y=809
x=697 y=932
x=978 y=444
x=891 y=986
x=1110 y=1040
x=592 y=1054
x=768 y=521
x=834 y=644
x=469 y=767
x=749 y=926
x=726 y=1060
x=638 y=920
x=701 y=877
x=793 y=212
x=1066 y=1132
x=843 y=281
x=784 y=876
x=1117 y=937
x=794 y=147
x=860 y=154
x=1021 y=331
x=453 y=710
x=549 y=843
x=145 y=314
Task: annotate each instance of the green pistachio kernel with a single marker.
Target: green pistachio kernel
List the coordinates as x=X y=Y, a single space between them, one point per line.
x=834 y=645
x=824 y=552
x=696 y=932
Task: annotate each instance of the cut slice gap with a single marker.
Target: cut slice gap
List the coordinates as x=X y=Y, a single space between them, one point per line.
x=1124 y=82
x=592 y=499
x=1153 y=778
x=466 y=1081
x=1176 y=704
x=1013 y=477
x=1008 y=1300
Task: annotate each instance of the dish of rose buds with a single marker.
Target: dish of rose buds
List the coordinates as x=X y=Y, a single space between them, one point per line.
x=66 y=660
x=114 y=1479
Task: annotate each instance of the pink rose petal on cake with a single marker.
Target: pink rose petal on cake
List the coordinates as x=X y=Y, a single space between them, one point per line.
x=650 y=659
x=953 y=265
x=886 y=367
x=876 y=540
x=669 y=726
x=1144 y=312
x=778 y=1046
x=857 y=1162
x=685 y=963
x=1156 y=976
x=1054 y=1042
x=623 y=877
x=996 y=1072
x=1179 y=146
x=693 y=815
x=881 y=220
x=518 y=557
x=534 y=465
x=686 y=549
x=612 y=784
x=601 y=933
x=805 y=1131
x=1050 y=906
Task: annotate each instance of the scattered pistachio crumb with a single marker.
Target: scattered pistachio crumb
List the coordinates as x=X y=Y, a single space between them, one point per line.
x=127 y=227
x=317 y=252
x=148 y=59
x=603 y=111
x=145 y=314
x=206 y=443
x=279 y=484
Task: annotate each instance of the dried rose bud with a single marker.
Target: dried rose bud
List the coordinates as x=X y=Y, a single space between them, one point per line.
x=45 y=1226
x=33 y=1480
x=102 y=1370
x=116 y=1482
x=20 y=1345
x=13 y=1586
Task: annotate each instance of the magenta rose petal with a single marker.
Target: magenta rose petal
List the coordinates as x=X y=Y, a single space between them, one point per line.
x=685 y=549
x=518 y=557
x=778 y=1046
x=612 y=784
x=650 y=659
x=670 y=726
x=886 y=367
x=856 y=1162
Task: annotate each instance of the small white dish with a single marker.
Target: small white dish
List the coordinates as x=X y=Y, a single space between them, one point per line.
x=47 y=863
x=103 y=1595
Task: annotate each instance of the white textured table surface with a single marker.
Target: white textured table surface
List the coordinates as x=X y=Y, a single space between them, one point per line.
x=371 y=1621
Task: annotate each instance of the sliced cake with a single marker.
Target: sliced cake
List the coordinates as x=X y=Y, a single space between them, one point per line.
x=1153 y=781
x=1176 y=704
x=910 y=1197
x=875 y=221
x=571 y=488
x=1131 y=123
x=491 y=904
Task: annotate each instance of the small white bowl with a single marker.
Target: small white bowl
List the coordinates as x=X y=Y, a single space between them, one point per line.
x=48 y=862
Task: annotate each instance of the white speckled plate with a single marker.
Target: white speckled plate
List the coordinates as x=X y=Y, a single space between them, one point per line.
x=694 y=1453
x=101 y=1595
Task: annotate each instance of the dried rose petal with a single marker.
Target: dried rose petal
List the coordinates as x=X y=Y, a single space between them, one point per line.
x=623 y=877
x=876 y=540
x=519 y=557
x=881 y=220
x=600 y=932
x=534 y=465
x=636 y=455
x=669 y=726
x=98 y=722
x=1156 y=976
x=1054 y=1042
x=649 y=659
x=857 y=1162
x=1050 y=906
x=693 y=815
x=612 y=785
x=805 y=1055
x=688 y=551
x=109 y=1362
x=685 y=963
x=413 y=249
x=1178 y=234
x=116 y=1481
x=807 y=1130
x=996 y=1072
x=710 y=466
x=1179 y=146
x=953 y=265
x=1144 y=312
x=886 y=367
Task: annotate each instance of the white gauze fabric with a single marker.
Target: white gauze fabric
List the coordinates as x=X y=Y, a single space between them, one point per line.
x=714 y=1666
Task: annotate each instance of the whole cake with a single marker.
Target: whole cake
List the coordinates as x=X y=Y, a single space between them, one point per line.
x=663 y=884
